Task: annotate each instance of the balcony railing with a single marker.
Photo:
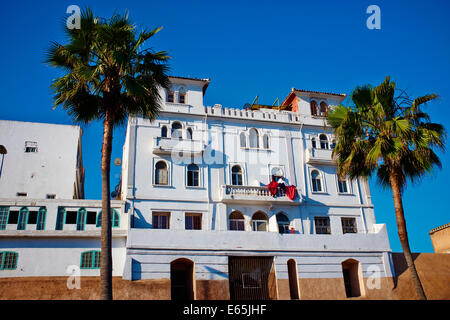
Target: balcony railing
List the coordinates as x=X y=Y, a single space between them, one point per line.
x=320 y=156
x=258 y=194
x=175 y=146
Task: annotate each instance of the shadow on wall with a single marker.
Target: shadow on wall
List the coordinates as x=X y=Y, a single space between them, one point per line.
x=136 y=270
x=400 y=266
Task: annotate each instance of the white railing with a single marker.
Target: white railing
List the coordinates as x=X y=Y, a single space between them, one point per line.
x=168 y=145
x=314 y=155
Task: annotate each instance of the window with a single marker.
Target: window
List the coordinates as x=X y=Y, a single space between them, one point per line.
x=193 y=175
x=13 y=216
x=316 y=181
x=313 y=143
x=314 y=109
x=32 y=217
x=236 y=175
x=161 y=173
x=8 y=260
x=243 y=139
x=322 y=225
x=182 y=96
x=160 y=220
x=259 y=221
x=189 y=133
x=254 y=138
x=277 y=173
x=323 y=109
x=283 y=223
x=42 y=214
x=51 y=196
x=193 y=221
x=22 y=194
x=60 y=218
x=266 y=141
x=91 y=217
x=115 y=219
x=81 y=218
x=342 y=185
x=348 y=225
x=23 y=219
x=236 y=221
x=333 y=144
x=90 y=260
x=176 y=130
x=164 y=132
x=170 y=96
x=4 y=214
x=31 y=146
x=323 y=141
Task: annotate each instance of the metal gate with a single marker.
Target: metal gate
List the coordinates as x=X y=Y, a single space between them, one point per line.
x=251 y=278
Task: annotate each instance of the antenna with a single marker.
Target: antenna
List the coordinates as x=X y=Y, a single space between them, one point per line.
x=256 y=99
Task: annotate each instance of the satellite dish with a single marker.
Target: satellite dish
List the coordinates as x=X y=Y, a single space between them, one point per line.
x=117 y=162
x=247 y=106
x=114 y=194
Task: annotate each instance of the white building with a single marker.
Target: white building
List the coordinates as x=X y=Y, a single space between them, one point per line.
x=202 y=217
x=45 y=223
x=197 y=218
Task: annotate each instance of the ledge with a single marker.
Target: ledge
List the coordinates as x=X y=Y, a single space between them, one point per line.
x=58 y=234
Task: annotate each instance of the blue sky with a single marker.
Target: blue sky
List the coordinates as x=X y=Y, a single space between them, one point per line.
x=251 y=48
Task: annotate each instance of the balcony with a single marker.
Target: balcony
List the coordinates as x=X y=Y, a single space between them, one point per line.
x=319 y=156
x=178 y=147
x=257 y=195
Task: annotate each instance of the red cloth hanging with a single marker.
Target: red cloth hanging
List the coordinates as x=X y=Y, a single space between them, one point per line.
x=273 y=186
x=291 y=192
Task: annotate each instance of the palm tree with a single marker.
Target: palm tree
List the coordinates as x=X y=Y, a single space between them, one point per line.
x=108 y=76
x=391 y=136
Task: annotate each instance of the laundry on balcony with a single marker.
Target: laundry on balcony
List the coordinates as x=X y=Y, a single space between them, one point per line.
x=273 y=188
x=291 y=192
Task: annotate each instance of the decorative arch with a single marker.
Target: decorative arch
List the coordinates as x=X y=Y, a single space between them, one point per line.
x=164 y=131
x=236 y=221
x=243 y=140
x=161 y=173
x=316 y=181
x=176 y=131
x=236 y=175
x=323 y=108
x=323 y=141
x=283 y=222
x=260 y=221
x=253 y=138
x=314 y=108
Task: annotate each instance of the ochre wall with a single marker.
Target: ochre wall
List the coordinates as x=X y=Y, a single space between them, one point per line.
x=433 y=269
x=441 y=240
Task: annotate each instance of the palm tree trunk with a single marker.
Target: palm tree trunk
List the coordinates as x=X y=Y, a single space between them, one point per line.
x=403 y=235
x=106 y=234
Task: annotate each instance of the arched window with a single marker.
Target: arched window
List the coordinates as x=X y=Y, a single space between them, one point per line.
x=170 y=95
x=115 y=219
x=259 y=221
x=313 y=143
x=323 y=141
x=182 y=279
x=164 y=131
x=161 y=173
x=333 y=144
x=293 y=279
x=40 y=223
x=236 y=175
x=266 y=141
x=189 y=133
x=81 y=218
x=323 y=109
x=316 y=181
x=182 y=96
x=314 y=109
x=23 y=219
x=254 y=138
x=243 y=139
x=236 y=221
x=283 y=223
x=353 y=280
x=193 y=175
x=342 y=185
x=176 y=130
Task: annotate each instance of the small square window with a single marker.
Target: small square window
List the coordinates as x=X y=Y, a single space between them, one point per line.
x=71 y=217
x=160 y=220
x=322 y=225
x=31 y=146
x=348 y=225
x=22 y=194
x=51 y=196
x=32 y=217
x=193 y=221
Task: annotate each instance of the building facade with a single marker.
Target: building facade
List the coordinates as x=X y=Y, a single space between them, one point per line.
x=47 y=228
x=246 y=203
